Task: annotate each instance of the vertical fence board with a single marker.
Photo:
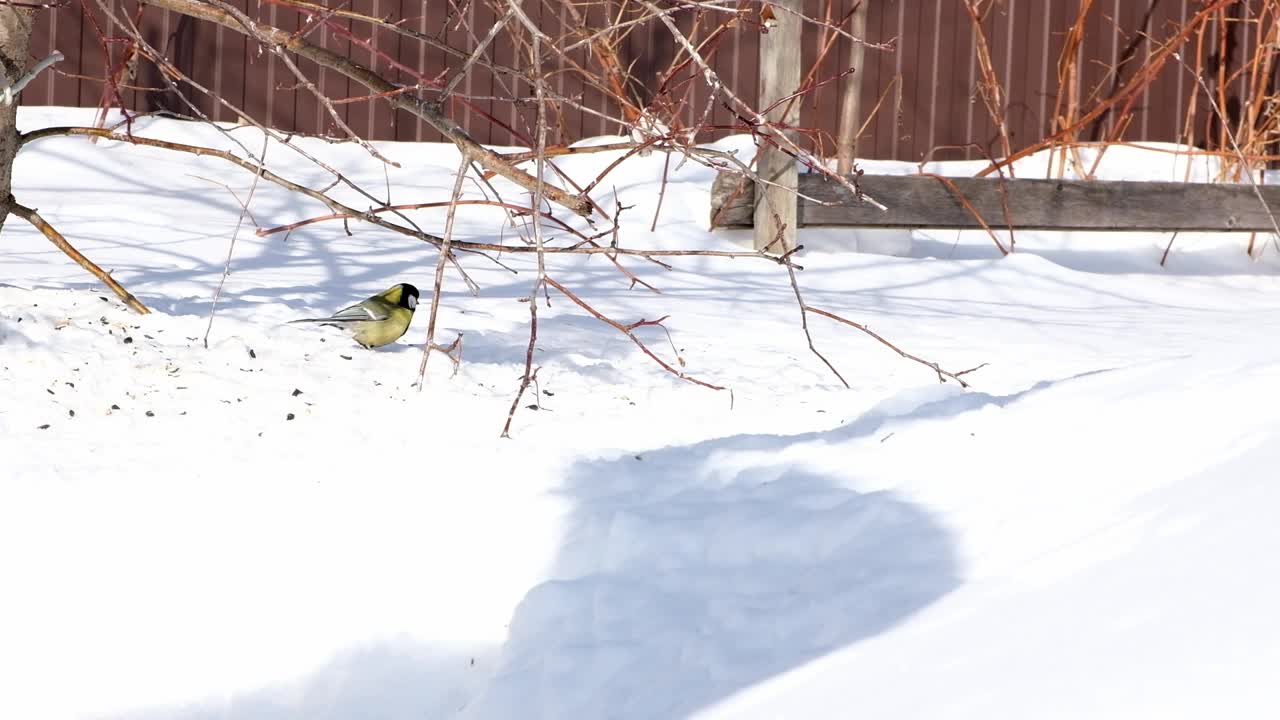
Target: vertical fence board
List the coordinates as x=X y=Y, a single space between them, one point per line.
x=776 y=204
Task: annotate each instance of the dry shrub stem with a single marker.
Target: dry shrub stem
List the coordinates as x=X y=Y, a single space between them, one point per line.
x=446 y=252
x=804 y=314
x=629 y=331
x=538 y=193
x=951 y=186
x=1244 y=162
x=231 y=246
x=942 y=374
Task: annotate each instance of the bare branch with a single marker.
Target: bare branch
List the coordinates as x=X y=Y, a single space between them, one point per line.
x=55 y=237
x=445 y=252
x=942 y=374
x=628 y=330
x=231 y=247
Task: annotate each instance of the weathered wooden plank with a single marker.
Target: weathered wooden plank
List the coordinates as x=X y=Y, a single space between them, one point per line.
x=924 y=202
x=775 y=207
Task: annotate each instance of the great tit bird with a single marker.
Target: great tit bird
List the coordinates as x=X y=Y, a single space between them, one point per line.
x=378 y=320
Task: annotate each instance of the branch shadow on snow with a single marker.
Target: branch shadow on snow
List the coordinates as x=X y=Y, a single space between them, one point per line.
x=687 y=575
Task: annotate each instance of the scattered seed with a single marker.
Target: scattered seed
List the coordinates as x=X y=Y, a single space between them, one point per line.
x=127 y=340
x=115 y=407
x=103 y=299
x=296 y=392
x=548 y=393
x=532 y=407
x=72 y=413
x=345 y=357
x=289 y=416
x=253 y=354
x=48 y=391
x=150 y=414
x=43 y=427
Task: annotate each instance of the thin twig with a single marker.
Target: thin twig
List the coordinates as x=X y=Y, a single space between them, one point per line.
x=445 y=251
x=476 y=55
x=539 y=282
x=628 y=330
x=942 y=374
x=231 y=247
x=1275 y=239
x=804 y=311
x=950 y=185
x=1165 y=255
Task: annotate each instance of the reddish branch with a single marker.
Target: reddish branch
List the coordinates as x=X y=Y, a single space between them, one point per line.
x=951 y=186
x=1139 y=81
x=628 y=330
x=942 y=374
x=804 y=310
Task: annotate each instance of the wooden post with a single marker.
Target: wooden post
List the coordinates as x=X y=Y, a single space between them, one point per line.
x=779 y=77
x=851 y=103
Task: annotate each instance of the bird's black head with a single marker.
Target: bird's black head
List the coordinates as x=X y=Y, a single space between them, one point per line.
x=408 y=296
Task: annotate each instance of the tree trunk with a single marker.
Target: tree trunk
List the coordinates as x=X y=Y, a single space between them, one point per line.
x=15 y=56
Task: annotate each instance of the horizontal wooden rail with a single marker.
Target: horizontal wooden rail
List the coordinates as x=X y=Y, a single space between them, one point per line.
x=921 y=201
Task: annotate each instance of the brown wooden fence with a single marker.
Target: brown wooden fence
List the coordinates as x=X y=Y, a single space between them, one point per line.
x=928 y=81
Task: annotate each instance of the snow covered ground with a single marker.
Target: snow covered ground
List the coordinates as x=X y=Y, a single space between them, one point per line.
x=282 y=526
